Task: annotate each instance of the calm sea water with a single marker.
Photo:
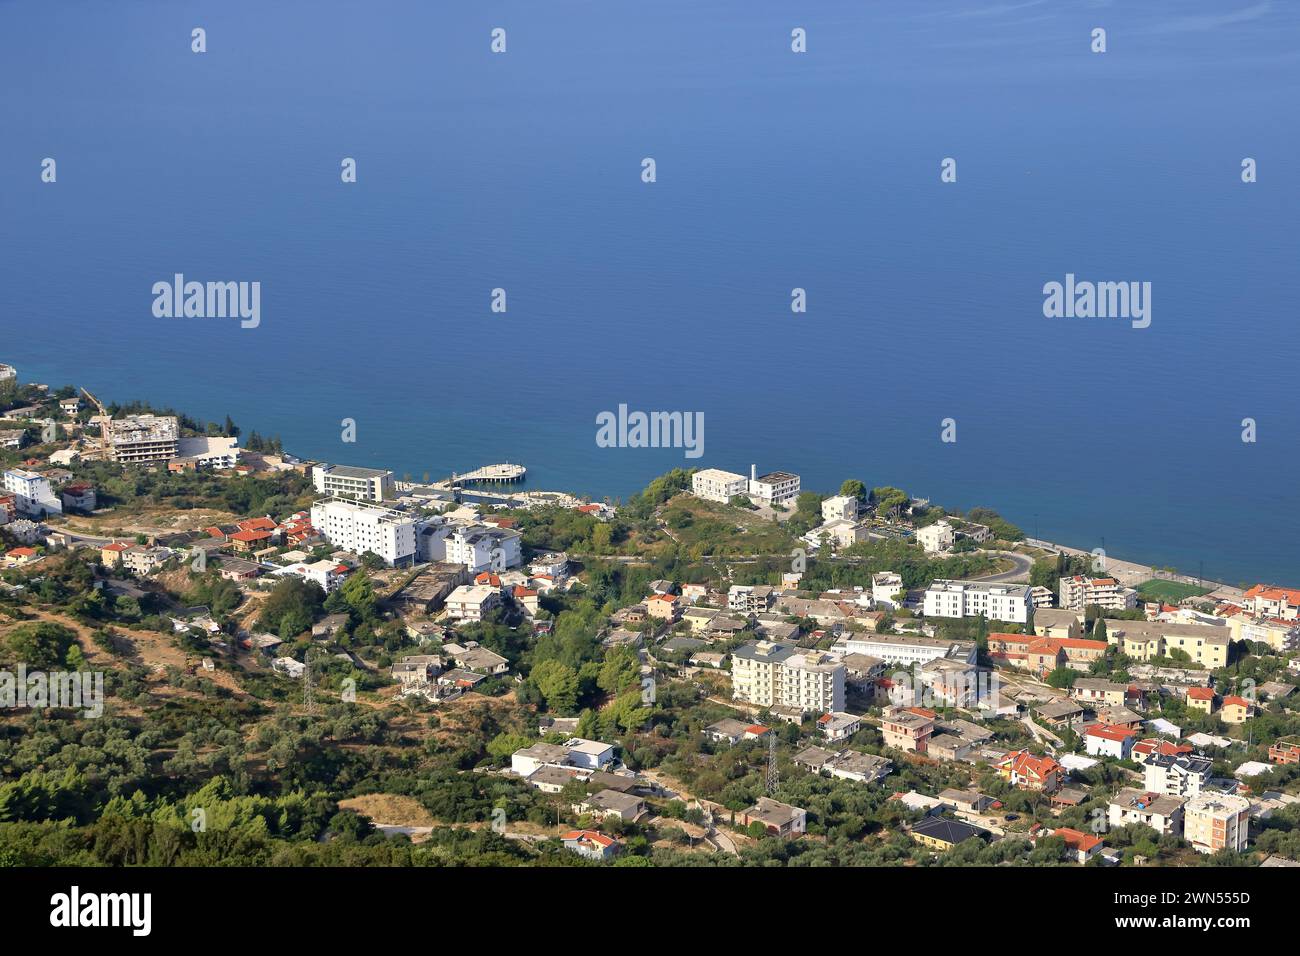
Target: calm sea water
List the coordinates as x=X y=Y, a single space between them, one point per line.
x=775 y=170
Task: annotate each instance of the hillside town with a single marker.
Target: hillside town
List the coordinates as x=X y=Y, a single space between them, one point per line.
x=338 y=664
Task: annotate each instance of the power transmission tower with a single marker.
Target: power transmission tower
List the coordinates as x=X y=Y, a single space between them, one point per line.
x=773 y=777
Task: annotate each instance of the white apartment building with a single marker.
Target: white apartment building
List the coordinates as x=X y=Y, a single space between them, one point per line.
x=483 y=548
x=840 y=531
x=328 y=574
x=936 y=537
x=714 y=484
x=8 y=373
x=1216 y=821
x=1176 y=776
x=779 y=675
x=471 y=602
x=1164 y=814
x=431 y=536
x=359 y=527
x=1267 y=601
x=887 y=589
x=138 y=439
x=840 y=508
x=216 y=452
x=1078 y=592
x=346 y=481
x=997 y=602
x=774 y=488
x=32 y=493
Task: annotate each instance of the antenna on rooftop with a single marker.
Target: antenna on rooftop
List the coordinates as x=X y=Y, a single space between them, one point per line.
x=773 y=777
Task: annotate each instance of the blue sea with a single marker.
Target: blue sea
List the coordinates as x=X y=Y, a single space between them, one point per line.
x=774 y=170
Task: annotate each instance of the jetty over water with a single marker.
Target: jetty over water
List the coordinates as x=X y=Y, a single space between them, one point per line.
x=504 y=472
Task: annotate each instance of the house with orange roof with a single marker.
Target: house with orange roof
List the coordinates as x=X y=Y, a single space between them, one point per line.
x=1042 y=655
x=1144 y=750
x=1108 y=740
x=526 y=598
x=1265 y=600
x=662 y=606
x=1236 y=710
x=590 y=843
x=256 y=524
x=110 y=555
x=1029 y=772
x=1203 y=699
x=251 y=540
x=19 y=556
x=1082 y=846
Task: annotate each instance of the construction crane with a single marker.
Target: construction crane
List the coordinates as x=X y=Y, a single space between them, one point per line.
x=105 y=446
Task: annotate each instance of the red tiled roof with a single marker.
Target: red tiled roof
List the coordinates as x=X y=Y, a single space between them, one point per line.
x=1162 y=747
x=1271 y=592
x=1076 y=839
x=1200 y=693
x=1110 y=732
x=588 y=836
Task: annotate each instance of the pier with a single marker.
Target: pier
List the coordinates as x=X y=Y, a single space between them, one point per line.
x=504 y=473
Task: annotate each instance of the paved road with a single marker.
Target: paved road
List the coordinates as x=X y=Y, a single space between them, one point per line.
x=1018 y=575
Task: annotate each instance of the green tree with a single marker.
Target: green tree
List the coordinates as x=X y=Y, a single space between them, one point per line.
x=558 y=684
x=854 y=489
x=42 y=646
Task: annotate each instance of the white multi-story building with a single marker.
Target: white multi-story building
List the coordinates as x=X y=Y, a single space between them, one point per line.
x=32 y=493
x=887 y=589
x=1216 y=821
x=1162 y=813
x=328 y=574
x=1265 y=600
x=774 y=488
x=471 y=602
x=714 y=484
x=359 y=527
x=1078 y=592
x=483 y=548
x=346 y=481
x=216 y=452
x=779 y=675
x=1182 y=775
x=936 y=537
x=8 y=374
x=997 y=602
x=840 y=507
